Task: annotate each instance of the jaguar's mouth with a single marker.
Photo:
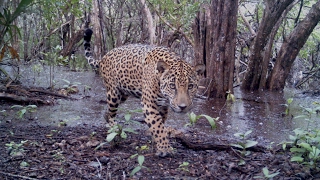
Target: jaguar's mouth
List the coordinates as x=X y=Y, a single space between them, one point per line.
x=178 y=109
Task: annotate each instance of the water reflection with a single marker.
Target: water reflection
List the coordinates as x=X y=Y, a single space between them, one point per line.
x=261 y=112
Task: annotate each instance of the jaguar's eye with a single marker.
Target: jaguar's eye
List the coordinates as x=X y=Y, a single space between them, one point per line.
x=172 y=86
x=190 y=86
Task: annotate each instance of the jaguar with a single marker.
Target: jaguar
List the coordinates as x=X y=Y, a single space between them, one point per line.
x=156 y=75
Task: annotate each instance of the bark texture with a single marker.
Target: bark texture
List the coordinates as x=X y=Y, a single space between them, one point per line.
x=272 y=13
x=291 y=47
x=215 y=34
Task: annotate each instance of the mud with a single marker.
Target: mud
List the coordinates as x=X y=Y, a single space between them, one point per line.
x=56 y=150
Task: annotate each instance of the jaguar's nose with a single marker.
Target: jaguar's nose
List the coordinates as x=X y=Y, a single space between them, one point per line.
x=182 y=106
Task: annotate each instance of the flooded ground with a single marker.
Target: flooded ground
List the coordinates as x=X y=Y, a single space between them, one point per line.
x=67 y=140
x=263 y=113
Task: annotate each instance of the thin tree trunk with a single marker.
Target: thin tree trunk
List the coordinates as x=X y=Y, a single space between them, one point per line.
x=268 y=50
x=272 y=13
x=291 y=47
x=151 y=27
x=97 y=47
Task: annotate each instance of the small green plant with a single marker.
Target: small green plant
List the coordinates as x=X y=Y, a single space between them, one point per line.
x=266 y=174
x=288 y=104
x=71 y=87
x=119 y=130
x=305 y=147
x=24 y=164
x=193 y=118
x=24 y=109
x=230 y=96
x=16 y=149
x=310 y=112
x=184 y=166
x=140 y=160
x=4 y=114
x=245 y=143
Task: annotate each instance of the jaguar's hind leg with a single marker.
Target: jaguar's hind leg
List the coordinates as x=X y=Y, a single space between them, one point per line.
x=114 y=98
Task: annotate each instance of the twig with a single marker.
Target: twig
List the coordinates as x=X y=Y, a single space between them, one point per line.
x=17 y=176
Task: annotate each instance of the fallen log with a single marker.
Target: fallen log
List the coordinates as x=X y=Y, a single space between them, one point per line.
x=51 y=93
x=24 y=99
x=213 y=144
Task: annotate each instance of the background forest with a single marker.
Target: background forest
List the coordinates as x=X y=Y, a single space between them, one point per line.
x=53 y=128
x=260 y=45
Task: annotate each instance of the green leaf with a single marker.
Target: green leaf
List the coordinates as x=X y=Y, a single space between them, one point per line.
x=247 y=133
x=111 y=136
x=273 y=175
x=16 y=106
x=184 y=164
x=127 y=117
x=241 y=162
x=140 y=159
x=250 y=143
x=265 y=171
x=306 y=146
x=299 y=150
x=129 y=130
x=300 y=116
x=293 y=138
x=238 y=146
x=297 y=159
x=21 y=112
x=20 y=9
x=284 y=146
x=135 y=170
x=132 y=156
x=123 y=135
x=137 y=110
x=289 y=101
x=211 y=120
x=24 y=164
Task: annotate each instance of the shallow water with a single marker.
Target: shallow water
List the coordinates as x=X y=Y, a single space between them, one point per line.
x=262 y=112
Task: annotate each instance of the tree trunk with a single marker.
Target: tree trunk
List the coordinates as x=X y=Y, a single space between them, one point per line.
x=215 y=34
x=151 y=27
x=97 y=46
x=221 y=64
x=291 y=47
x=272 y=13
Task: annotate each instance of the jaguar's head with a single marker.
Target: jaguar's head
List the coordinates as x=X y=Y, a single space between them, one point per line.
x=179 y=83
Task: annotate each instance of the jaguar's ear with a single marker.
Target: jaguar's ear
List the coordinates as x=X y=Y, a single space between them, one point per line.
x=200 y=68
x=162 y=66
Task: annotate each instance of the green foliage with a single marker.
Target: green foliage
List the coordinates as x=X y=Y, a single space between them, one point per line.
x=266 y=174
x=118 y=130
x=184 y=166
x=178 y=15
x=230 y=97
x=310 y=112
x=7 y=18
x=140 y=160
x=305 y=147
x=244 y=144
x=15 y=149
x=24 y=109
x=193 y=118
x=289 y=101
x=70 y=87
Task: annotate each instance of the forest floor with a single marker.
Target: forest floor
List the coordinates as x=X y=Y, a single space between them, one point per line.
x=30 y=151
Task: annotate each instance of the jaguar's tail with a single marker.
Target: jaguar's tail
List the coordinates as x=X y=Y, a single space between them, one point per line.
x=87 y=49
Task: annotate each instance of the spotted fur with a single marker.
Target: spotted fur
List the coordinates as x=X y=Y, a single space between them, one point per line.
x=158 y=76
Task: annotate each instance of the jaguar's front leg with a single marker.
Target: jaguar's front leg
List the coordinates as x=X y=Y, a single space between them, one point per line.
x=156 y=126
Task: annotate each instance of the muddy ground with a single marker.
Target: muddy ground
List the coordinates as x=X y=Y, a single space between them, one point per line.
x=32 y=151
